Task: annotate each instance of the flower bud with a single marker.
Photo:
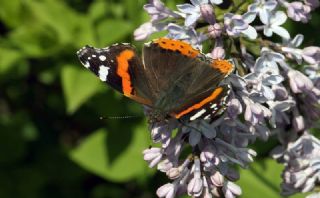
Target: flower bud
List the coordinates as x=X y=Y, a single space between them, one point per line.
x=215 y=30
x=207 y=13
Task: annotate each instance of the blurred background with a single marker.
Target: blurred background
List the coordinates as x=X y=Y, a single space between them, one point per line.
x=53 y=143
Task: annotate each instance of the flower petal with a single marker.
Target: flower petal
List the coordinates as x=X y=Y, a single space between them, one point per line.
x=191 y=19
x=187 y=8
x=249 y=17
x=279 y=18
x=281 y=32
x=250 y=32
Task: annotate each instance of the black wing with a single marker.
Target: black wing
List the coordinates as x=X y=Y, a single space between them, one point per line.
x=120 y=67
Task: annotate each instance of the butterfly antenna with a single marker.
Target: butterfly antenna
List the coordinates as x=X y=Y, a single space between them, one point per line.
x=117 y=117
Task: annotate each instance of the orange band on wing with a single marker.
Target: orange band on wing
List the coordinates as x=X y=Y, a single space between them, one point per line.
x=223 y=66
x=213 y=96
x=177 y=45
x=123 y=70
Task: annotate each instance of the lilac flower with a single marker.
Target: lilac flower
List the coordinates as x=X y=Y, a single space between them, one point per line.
x=298 y=123
x=157 y=10
x=215 y=30
x=311 y=55
x=279 y=109
x=148 y=28
x=218 y=53
x=263 y=8
x=186 y=34
x=234 y=108
x=268 y=61
x=267 y=97
x=195 y=10
x=195 y=185
x=298 y=11
x=312 y=3
x=290 y=48
x=302 y=164
x=153 y=156
x=167 y=191
x=231 y=190
x=237 y=24
x=299 y=83
x=207 y=13
x=272 y=25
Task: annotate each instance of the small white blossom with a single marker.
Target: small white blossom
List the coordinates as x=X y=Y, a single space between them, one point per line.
x=272 y=25
x=263 y=8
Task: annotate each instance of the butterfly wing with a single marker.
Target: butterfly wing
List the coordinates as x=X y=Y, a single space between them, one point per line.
x=120 y=67
x=184 y=84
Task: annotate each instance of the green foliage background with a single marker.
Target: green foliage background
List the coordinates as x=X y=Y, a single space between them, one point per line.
x=52 y=142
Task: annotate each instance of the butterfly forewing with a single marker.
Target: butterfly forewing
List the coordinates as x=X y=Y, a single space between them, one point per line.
x=120 y=67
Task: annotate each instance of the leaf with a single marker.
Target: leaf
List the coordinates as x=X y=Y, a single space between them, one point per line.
x=34 y=40
x=55 y=14
x=10 y=12
x=78 y=86
x=93 y=155
x=261 y=179
x=133 y=9
x=8 y=58
x=85 y=34
x=97 y=10
x=111 y=31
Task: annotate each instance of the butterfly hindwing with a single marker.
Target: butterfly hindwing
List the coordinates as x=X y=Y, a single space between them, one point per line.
x=207 y=108
x=182 y=75
x=118 y=66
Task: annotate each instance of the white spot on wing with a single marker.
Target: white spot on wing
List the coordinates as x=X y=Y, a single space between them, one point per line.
x=93 y=55
x=103 y=72
x=198 y=114
x=213 y=106
x=102 y=57
x=87 y=65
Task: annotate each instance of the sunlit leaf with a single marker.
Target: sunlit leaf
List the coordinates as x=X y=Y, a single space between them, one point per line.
x=55 y=14
x=78 y=85
x=111 y=31
x=93 y=155
x=34 y=40
x=11 y=12
x=261 y=179
x=8 y=58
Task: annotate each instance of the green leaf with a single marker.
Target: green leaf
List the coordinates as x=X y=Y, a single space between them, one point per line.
x=55 y=14
x=78 y=86
x=85 y=34
x=133 y=9
x=10 y=12
x=97 y=10
x=93 y=154
x=34 y=40
x=111 y=31
x=8 y=58
x=261 y=179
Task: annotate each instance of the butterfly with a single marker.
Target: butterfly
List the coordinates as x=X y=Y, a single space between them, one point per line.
x=172 y=78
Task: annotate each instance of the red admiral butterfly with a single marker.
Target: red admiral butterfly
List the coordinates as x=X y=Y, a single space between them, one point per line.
x=173 y=79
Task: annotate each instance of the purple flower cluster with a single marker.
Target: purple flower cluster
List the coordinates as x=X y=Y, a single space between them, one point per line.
x=269 y=96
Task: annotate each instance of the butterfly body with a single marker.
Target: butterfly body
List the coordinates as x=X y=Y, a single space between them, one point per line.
x=172 y=78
